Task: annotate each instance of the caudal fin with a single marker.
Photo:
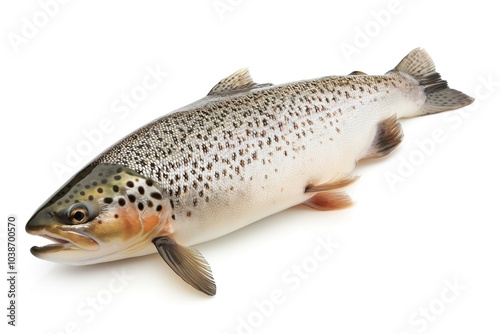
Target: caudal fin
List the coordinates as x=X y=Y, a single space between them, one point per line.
x=440 y=97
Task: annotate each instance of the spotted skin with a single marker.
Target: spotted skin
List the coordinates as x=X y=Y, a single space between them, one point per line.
x=247 y=151
x=224 y=151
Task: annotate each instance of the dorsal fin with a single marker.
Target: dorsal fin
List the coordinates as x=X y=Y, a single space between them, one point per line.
x=357 y=73
x=237 y=82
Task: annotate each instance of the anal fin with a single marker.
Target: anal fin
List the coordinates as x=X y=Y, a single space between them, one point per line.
x=188 y=263
x=328 y=195
x=389 y=135
x=329 y=201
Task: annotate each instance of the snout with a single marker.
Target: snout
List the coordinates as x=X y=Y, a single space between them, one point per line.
x=41 y=220
x=65 y=238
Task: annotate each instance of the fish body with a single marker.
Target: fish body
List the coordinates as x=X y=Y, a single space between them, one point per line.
x=242 y=153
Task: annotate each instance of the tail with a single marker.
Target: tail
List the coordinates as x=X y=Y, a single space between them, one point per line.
x=440 y=97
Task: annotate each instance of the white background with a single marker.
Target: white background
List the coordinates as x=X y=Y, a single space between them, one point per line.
x=398 y=246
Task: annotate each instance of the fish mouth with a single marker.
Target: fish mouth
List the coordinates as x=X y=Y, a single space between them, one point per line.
x=63 y=241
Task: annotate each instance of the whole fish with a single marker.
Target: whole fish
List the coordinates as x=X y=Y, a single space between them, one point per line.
x=243 y=152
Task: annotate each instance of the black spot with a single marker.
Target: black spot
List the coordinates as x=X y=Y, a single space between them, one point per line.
x=130 y=184
x=91 y=197
x=66 y=201
x=119 y=170
x=156 y=195
x=99 y=190
x=140 y=206
x=94 y=183
x=100 y=174
x=131 y=198
x=104 y=181
x=173 y=217
x=158 y=208
x=188 y=214
x=121 y=201
x=149 y=182
x=116 y=188
x=116 y=216
x=87 y=186
x=82 y=193
x=117 y=177
x=150 y=204
x=141 y=190
x=108 y=200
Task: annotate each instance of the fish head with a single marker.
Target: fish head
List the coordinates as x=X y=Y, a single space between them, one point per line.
x=106 y=212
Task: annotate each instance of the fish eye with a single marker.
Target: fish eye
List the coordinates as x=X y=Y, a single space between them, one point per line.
x=78 y=213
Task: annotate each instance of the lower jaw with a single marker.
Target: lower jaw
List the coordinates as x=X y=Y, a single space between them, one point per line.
x=36 y=250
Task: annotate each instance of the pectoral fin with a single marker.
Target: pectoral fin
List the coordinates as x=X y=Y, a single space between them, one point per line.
x=188 y=263
x=329 y=201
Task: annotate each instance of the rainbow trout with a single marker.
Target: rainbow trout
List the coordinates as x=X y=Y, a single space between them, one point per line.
x=243 y=152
